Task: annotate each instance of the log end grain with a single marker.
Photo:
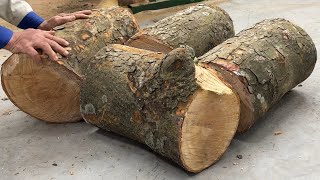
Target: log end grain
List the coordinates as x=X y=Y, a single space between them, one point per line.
x=42 y=90
x=210 y=122
x=238 y=84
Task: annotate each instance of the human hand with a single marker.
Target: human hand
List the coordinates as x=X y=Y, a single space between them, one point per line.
x=28 y=41
x=63 y=18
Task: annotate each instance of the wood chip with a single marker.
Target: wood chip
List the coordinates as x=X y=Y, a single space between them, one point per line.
x=277 y=133
x=7 y=113
x=5 y=99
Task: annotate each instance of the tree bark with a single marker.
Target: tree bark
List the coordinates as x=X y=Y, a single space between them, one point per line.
x=200 y=27
x=263 y=63
x=50 y=91
x=182 y=111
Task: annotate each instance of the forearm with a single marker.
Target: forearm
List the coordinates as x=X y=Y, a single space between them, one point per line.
x=18 y=13
x=31 y=20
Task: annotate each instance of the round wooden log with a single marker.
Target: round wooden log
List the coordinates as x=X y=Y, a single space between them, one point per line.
x=182 y=111
x=200 y=27
x=263 y=63
x=50 y=91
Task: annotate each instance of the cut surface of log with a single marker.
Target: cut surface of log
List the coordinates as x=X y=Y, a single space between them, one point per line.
x=263 y=63
x=41 y=90
x=50 y=91
x=200 y=27
x=182 y=111
x=210 y=122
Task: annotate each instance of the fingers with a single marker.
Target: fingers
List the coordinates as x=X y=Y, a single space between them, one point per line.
x=47 y=50
x=87 y=12
x=28 y=41
x=59 y=49
x=81 y=16
x=51 y=32
x=78 y=15
x=55 y=44
x=34 y=55
x=64 y=18
x=57 y=20
x=83 y=12
x=58 y=40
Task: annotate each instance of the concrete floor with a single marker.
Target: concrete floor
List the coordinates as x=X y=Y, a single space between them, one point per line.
x=31 y=149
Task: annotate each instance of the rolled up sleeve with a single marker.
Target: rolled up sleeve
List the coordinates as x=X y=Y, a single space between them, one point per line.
x=19 y=13
x=5 y=36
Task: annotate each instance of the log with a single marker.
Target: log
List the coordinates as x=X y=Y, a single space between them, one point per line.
x=200 y=27
x=182 y=111
x=263 y=63
x=162 y=99
x=50 y=91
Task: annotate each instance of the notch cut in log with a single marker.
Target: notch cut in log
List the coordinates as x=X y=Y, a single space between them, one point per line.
x=50 y=91
x=182 y=111
x=200 y=27
x=263 y=63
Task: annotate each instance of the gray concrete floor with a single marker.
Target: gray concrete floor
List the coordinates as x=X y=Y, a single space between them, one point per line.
x=30 y=149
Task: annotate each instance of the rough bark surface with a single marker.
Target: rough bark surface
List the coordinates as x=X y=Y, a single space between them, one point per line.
x=86 y=37
x=137 y=93
x=50 y=91
x=200 y=27
x=156 y=99
x=263 y=63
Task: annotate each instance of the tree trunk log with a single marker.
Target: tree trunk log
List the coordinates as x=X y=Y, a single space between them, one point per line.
x=200 y=27
x=182 y=111
x=50 y=91
x=263 y=63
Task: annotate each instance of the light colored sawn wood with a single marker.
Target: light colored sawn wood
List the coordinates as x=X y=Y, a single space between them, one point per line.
x=210 y=122
x=41 y=86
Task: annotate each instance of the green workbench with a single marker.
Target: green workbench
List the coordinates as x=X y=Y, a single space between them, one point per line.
x=159 y=4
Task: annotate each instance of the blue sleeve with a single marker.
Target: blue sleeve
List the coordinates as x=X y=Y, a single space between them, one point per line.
x=31 y=20
x=5 y=36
